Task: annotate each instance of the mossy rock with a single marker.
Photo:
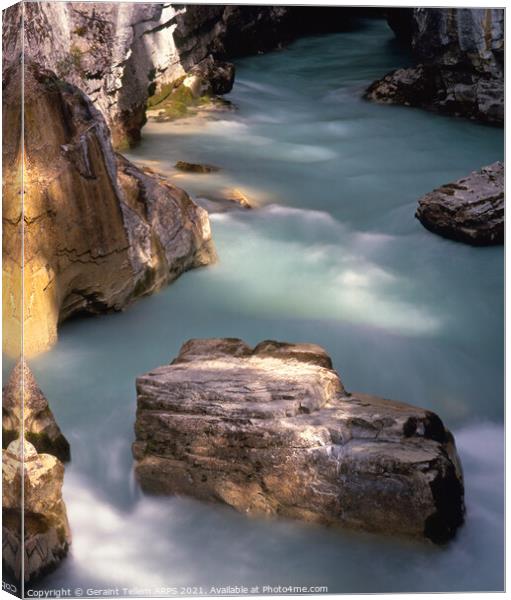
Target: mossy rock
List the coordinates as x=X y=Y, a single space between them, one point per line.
x=175 y=100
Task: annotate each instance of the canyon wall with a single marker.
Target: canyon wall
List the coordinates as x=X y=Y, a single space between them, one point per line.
x=121 y=53
x=459 y=55
x=98 y=232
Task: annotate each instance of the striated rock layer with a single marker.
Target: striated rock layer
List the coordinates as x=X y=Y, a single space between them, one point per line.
x=272 y=431
x=98 y=232
x=470 y=210
x=459 y=55
x=47 y=536
x=39 y=425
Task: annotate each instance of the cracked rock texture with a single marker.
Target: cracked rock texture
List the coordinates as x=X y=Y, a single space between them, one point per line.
x=459 y=56
x=272 y=431
x=47 y=536
x=98 y=232
x=39 y=427
x=469 y=210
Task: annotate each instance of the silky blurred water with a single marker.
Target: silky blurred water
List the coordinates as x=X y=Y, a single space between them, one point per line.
x=332 y=255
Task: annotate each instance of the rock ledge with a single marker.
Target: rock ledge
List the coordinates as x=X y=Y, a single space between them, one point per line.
x=470 y=210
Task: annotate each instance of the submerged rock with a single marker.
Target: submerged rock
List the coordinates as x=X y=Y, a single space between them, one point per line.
x=189 y=167
x=225 y=199
x=470 y=210
x=459 y=56
x=98 y=232
x=47 y=536
x=272 y=431
x=40 y=427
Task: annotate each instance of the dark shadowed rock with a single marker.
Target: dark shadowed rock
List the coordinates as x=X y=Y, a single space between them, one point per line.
x=272 y=431
x=47 y=536
x=470 y=210
x=210 y=77
x=459 y=56
x=40 y=427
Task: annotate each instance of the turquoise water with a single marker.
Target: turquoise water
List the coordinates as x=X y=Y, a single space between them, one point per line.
x=332 y=255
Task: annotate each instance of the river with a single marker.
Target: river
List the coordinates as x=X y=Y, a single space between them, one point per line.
x=332 y=255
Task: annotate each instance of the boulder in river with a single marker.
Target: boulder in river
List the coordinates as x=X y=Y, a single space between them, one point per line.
x=47 y=536
x=469 y=210
x=40 y=427
x=271 y=430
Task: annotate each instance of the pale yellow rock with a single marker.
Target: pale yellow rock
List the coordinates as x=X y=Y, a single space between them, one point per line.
x=97 y=232
x=47 y=535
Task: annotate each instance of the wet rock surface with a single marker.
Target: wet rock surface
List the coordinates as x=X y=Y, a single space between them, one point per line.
x=40 y=427
x=47 y=536
x=459 y=56
x=271 y=430
x=189 y=167
x=469 y=210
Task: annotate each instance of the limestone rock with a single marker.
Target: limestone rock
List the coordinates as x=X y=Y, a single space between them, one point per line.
x=121 y=53
x=459 y=55
x=272 y=431
x=115 y=52
x=40 y=427
x=470 y=210
x=210 y=77
x=46 y=529
x=98 y=233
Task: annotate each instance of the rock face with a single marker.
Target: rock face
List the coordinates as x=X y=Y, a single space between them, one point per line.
x=121 y=53
x=117 y=52
x=46 y=536
x=470 y=210
x=272 y=431
x=98 y=232
x=460 y=62
x=40 y=427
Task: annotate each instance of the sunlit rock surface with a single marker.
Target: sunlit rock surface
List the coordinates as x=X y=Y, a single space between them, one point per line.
x=272 y=431
x=40 y=427
x=98 y=232
x=469 y=210
x=46 y=530
x=460 y=62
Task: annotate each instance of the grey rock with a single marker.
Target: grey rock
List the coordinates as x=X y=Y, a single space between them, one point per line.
x=470 y=210
x=210 y=77
x=459 y=55
x=118 y=53
x=272 y=431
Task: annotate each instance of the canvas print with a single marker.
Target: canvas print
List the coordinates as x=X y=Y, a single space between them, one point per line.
x=253 y=299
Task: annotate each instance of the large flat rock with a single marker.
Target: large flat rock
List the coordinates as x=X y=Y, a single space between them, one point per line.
x=469 y=210
x=271 y=430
